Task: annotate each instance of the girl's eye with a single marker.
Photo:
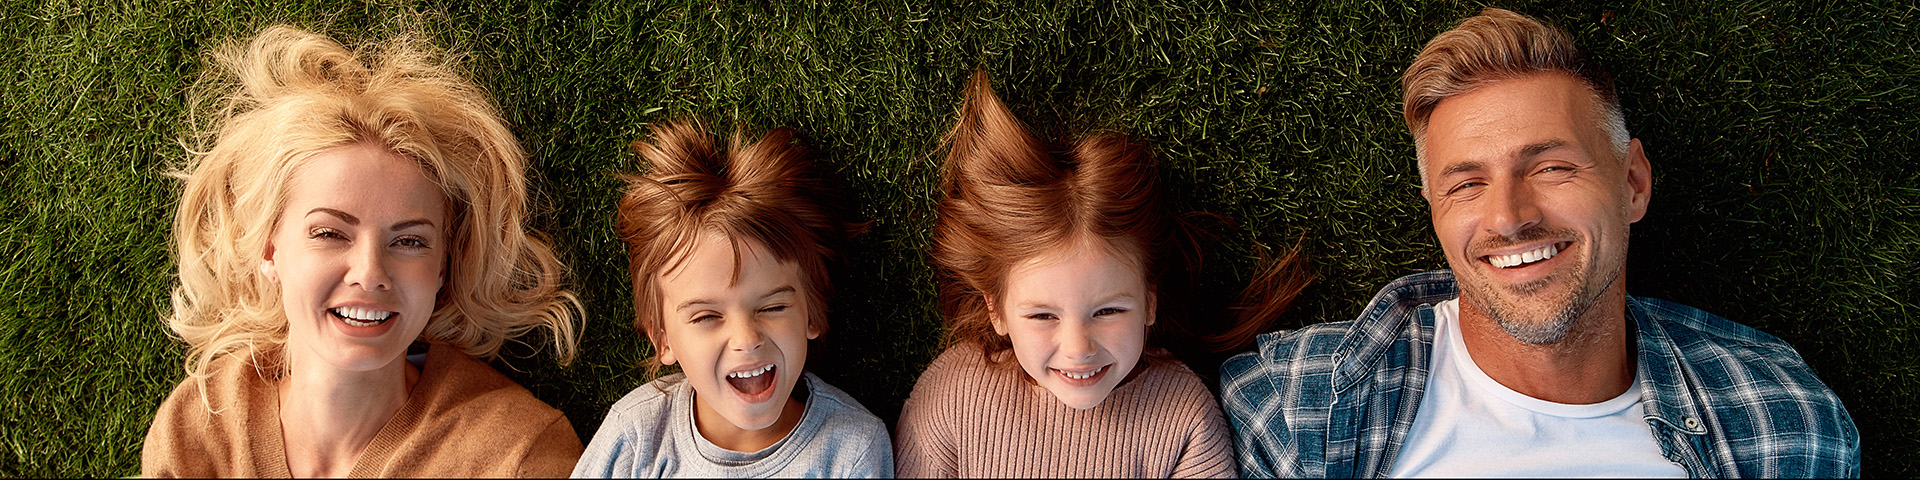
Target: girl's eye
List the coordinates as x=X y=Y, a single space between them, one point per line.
x=1109 y=311
x=1042 y=316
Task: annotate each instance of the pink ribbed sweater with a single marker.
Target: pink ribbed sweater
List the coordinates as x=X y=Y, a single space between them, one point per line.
x=969 y=418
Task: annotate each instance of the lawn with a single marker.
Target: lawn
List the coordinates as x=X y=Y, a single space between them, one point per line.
x=1782 y=135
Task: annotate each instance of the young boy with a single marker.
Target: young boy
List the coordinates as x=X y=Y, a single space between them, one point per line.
x=728 y=252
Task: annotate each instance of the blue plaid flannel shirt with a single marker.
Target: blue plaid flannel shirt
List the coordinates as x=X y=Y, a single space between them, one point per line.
x=1724 y=400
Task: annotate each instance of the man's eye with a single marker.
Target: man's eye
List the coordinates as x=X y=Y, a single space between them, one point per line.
x=1464 y=187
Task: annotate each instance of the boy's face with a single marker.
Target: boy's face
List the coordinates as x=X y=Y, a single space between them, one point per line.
x=740 y=339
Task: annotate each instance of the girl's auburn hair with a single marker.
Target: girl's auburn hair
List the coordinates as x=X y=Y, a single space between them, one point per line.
x=769 y=192
x=1009 y=197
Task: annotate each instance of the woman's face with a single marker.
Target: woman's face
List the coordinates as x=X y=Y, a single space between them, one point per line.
x=1077 y=319
x=360 y=253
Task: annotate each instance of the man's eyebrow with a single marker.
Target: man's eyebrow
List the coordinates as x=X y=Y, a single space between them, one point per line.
x=1462 y=167
x=1538 y=148
x=344 y=216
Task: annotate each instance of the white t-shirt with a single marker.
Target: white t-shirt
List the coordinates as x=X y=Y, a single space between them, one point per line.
x=1469 y=425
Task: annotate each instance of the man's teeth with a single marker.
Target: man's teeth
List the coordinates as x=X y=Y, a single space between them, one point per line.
x=1535 y=255
x=1083 y=376
x=362 y=317
x=751 y=373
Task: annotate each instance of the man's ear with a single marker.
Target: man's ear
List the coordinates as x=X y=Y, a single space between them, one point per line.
x=993 y=313
x=1639 y=181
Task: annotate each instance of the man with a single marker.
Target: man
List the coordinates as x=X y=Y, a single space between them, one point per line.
x=1528 y=358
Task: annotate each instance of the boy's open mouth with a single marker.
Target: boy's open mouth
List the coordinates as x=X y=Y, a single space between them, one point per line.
x=753 y=382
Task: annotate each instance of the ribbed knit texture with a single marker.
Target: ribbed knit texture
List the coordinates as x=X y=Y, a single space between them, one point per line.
x=970 y=418
x=463 y=419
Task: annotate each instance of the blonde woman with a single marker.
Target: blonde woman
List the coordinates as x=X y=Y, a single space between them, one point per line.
x=341 y=207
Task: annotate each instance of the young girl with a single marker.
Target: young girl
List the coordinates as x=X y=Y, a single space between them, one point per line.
x=728 y=252
x=349 y=205
x=1051 y=259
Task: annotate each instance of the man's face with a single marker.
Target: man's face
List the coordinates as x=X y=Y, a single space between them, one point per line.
x=1530 y=203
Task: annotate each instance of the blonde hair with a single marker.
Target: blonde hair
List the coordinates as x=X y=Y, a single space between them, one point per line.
x=277 y=101
x=767 y=191
x=1499 y=45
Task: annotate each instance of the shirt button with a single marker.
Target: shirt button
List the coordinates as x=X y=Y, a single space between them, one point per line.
x=1692 y=422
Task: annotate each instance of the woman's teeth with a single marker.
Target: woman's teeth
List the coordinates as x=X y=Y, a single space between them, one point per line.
x=1535 y=255
x=361 y=317
x=1084 y=376
x=751 y=373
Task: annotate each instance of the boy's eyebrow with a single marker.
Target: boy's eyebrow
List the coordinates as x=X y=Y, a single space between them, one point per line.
x=703 y=301
x=697 y=301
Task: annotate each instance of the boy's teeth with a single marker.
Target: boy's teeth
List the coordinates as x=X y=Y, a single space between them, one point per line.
x=1535 y=255
x=751 y=373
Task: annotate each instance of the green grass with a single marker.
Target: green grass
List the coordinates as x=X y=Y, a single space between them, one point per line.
x=1781 y=135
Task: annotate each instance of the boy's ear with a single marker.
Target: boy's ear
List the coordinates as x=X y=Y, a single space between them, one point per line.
x=993 y=314
x=661 y=349
x=813 y=331
x=666 y=353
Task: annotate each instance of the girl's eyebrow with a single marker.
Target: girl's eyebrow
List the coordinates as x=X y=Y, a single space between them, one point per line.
x=777 y=291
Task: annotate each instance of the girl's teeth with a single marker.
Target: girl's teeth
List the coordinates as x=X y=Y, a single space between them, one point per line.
x=1083 y=376
x=751 y=373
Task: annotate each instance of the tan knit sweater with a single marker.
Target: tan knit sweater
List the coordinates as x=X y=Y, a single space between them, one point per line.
x=969 y=418
x=463 y=419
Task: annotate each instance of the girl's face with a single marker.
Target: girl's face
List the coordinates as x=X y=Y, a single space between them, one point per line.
x=359 y=252
x=1077 y=319
x=740 y=338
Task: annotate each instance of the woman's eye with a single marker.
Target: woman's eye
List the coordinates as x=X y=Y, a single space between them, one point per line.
x=1109 y=311
x=326 y=233
x=410 y=242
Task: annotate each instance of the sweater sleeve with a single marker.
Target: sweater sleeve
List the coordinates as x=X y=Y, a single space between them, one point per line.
x=553 y=452
x=924 y=438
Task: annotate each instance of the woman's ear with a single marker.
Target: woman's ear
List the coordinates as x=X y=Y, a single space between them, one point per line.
x=267 y=268
x=993 y=314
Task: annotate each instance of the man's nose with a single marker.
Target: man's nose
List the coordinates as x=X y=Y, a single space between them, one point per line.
x=1511 y=209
